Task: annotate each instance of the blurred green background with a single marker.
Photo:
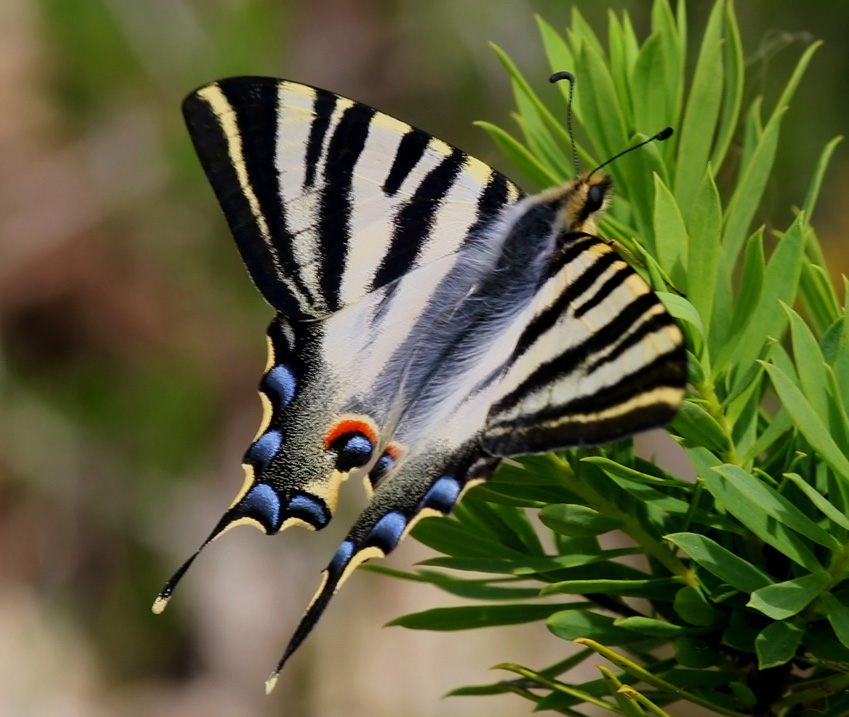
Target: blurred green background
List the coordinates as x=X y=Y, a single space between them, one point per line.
x=131 y=342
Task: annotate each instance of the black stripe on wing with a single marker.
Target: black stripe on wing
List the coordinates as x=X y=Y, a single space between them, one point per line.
x=410 y=151
x=233 y=126
x=334 y=220
x=571 y=359
x=594 y=419
x=325 y=103
x=414 y=221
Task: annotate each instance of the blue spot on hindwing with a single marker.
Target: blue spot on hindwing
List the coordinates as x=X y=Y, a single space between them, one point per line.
x=353 y=450
x=442 y=495
x=358 y=445
x=388 y=531
x=265 y=448
x=262 y=503
x=281 y=382
x=341 y=559
x=382 y=468
x=308 y=509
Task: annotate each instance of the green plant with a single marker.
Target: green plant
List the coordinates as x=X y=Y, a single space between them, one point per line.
x=743 y=598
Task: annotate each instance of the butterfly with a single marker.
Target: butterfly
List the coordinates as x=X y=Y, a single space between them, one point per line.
x=430 y=318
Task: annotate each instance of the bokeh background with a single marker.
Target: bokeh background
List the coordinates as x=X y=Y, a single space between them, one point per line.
x=131 y=342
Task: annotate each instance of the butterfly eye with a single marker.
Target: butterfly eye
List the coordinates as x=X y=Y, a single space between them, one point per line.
x=595 y=198
x=352 y=443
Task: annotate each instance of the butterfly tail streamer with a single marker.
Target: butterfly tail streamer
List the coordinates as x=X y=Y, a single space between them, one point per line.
x=258 y=505
x=167 y=591
x=389 y=516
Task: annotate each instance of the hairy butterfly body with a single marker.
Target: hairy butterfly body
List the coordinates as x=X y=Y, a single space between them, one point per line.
x=430 y=317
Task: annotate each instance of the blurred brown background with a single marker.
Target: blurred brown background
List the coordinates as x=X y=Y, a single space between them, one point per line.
x=131 y=343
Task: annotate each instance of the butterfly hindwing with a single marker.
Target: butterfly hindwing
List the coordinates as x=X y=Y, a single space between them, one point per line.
x=329 y=199
x=599 y=359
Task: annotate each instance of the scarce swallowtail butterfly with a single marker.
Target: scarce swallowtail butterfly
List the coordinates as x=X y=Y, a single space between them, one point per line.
x=430 y=317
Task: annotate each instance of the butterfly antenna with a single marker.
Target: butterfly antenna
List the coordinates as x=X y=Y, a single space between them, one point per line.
x=556 y=77
x=660 y=137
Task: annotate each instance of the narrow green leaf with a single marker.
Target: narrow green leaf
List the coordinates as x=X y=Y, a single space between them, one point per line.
x=816 y=181
x=612 y=468
x=518 y=154
x=560 y=58
x=732 y=99
x=603 y=119
x=795 y=78
x=838 y=617
x=837 y=411
x=672 y=70
x=753 y=494
x=727 y=566
x=651 y=101
x=644 y=675
x=665 y=503
x=555 y=125
x=654 y=588
x=809 y=362
x=781 y=280
x=487 y=589
x=571 y=624
x=724 y=339
x=693 y=607
x=581 y=33
x=782 y=600
x=700 y=116
x=651 y=627
x=670 y=235
x=627 y=705
x=819 y=500
x=704 y=229
x=620 y=65
x=470 y=617
x=540 y=141
x=507 y=525
x=748 y=192
x=450 y=537
x=699 y=428
x=779 y=425
x=682 y=309
x=777 y=643
x=819 y=296
x=497 y=688
x=632 y=44
x=577 y=520
x=531 y=566
x=808 y=422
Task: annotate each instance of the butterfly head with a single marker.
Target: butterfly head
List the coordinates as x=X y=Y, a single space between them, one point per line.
x=584 y=200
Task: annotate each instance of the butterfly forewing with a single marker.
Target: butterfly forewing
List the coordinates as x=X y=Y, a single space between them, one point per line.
x=329 y=199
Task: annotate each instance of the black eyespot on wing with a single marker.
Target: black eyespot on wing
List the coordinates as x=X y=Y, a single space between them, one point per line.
x=353 y=450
